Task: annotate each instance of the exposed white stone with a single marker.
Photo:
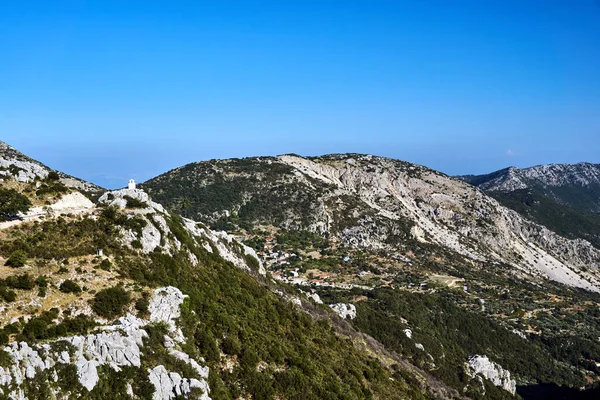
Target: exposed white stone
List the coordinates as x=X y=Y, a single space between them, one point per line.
x=408 y=333
x=344 y=310
x=116 y=345
x=492 y=372
x=315 y=296
x=72 y=202
x=225 y=244
x=165 y=307
x=169 y=385
x=449 y=213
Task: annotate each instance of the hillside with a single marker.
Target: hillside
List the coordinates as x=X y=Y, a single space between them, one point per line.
x=124 y=299
x=15 y=165
x=408 y=252
x=563 y=197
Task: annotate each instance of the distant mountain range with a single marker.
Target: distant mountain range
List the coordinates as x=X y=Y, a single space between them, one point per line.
x=577 y=185
x=563 y=197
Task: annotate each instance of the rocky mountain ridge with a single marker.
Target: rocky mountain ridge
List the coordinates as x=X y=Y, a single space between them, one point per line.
x=18 y=166
x=548 y=176
x=369 y=201
x=574 y=185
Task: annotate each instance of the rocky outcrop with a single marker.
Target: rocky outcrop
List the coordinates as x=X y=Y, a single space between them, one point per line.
x=169 y=385
x=116 y=346
x=344 y=310
x=492 y=372
x=15 y=165
x=230 y=249
x=165 y=307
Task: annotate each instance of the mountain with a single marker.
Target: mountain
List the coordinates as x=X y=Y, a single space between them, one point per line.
x=119 y=298
x=563 y=197
x=577 y=185
x=430 y=266
x=16 y=165
x=376 y=203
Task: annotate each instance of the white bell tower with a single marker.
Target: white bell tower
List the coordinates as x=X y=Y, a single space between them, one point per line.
x=131 y=185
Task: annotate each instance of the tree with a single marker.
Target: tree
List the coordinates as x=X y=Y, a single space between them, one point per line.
x=68 y=286
x=18 y=258
x=53 y=176
x=110 y=302
x=11 y=202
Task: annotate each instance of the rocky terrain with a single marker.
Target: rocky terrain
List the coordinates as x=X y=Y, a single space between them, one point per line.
x=551 y=177
x=342 y=277
x=377 y=203
x=396 y=248
x=16 y=165
x=562 y=197
x=120 y=298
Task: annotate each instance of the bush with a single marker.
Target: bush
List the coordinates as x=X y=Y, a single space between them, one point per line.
x=7 y=295
x=18 y=258
x=11 y=202
x=23 y=282
x=142 y=305
x=231 y=345
x=69 y=286
x=134 y=203
x=105 y=265
x=110 y=302
x=53 y=176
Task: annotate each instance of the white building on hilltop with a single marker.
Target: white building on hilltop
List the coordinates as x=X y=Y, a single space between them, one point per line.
x=131 y=184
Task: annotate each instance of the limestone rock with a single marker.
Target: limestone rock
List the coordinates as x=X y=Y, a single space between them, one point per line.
x=492 y=372
x=169 y=385
x=344 y=310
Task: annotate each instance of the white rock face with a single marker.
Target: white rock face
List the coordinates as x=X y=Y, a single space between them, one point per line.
x=224 y=244
x=117 y=346
x=73 y=201
x=169 y=385
x=408 y=333
x=315 y=296
x=447 y=212
x=344 y=310
x=551 y=175
x=492 y=372
x=117 y=198
x=165 y=307
x=28 y=171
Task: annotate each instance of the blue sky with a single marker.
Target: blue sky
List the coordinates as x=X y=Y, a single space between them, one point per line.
x=108 y=90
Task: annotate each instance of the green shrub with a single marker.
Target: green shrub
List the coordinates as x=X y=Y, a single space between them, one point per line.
x=53 y=176
x=110 y=302
x=23 y=282
x=11 y=202
x=134 y=203
x=68 y=286
x=7 y=295
x=18 y=258
x=142 y=306
x=231 y=345
x=105 y=265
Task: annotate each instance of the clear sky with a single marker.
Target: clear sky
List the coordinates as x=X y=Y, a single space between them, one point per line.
x=112 y=89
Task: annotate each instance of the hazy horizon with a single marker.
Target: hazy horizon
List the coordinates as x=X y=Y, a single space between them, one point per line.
x=106 y=91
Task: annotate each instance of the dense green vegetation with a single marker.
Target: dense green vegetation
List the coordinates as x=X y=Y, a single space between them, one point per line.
x=451 y=334
x=228 y=310
x=263 y=191
x=111 y=302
